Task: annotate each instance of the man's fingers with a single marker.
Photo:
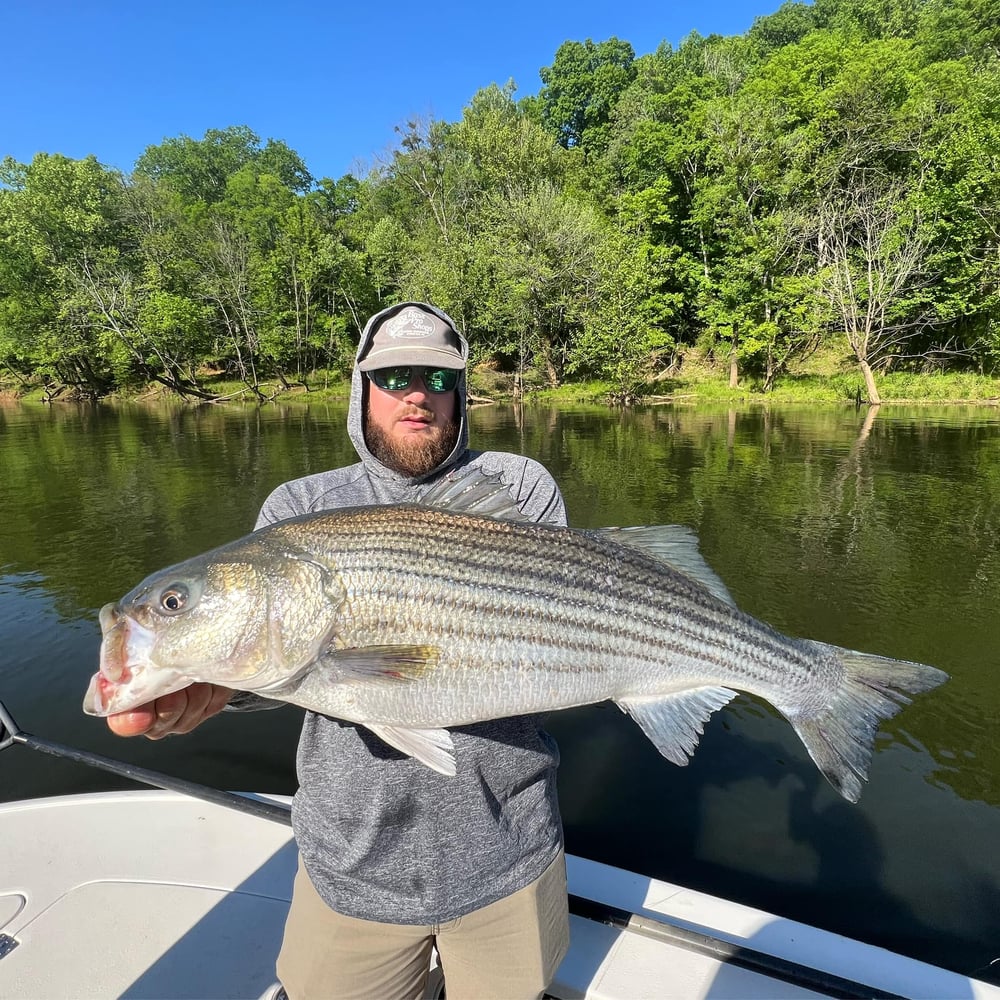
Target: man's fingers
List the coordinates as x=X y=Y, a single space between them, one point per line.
x=132 y=723
x=183 y=710
x=204 y=701
x=219 y=700
x=178 y=712
x=167 y=709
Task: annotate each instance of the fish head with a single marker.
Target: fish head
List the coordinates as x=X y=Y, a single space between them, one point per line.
x=249 y=620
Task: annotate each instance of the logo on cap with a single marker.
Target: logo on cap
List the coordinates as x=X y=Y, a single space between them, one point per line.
x=410 y=324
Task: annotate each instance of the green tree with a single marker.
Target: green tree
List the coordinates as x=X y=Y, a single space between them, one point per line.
x=580 y=90
x=58 y=218
x=545 y=249
x=740 y=211
x=960 y=29
x=199 y=169
x=960 y=203
x=627 y=332
x=789 y=24
x=508 y=153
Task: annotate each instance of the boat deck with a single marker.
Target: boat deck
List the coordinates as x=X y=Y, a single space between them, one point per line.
x=155 y=894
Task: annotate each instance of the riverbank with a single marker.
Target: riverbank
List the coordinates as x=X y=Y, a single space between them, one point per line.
x=896 y=387
x=826 y=378
x=829 y=375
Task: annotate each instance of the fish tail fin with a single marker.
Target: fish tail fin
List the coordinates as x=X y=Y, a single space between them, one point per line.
x=841 y=737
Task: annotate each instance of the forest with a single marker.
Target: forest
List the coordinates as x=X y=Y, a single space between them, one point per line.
x=830 y=176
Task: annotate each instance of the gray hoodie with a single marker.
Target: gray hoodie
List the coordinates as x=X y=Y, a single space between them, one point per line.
x=382 y=836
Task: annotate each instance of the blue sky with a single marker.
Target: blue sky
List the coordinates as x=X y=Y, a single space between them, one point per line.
x=331 y=80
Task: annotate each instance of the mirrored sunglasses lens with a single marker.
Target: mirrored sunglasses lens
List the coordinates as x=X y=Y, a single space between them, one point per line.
x=440 y=379
x=392 y=379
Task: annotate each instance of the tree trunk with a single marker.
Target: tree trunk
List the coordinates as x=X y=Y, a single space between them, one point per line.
x=551 y=373
x=866 y=370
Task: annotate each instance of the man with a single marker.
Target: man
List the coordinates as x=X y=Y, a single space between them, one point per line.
x=395 y=858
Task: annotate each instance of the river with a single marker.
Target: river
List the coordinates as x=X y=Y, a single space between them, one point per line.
x=875 y=531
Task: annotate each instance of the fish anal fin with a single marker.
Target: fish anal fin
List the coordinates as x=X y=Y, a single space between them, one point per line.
x=676 y=545
x=674 y=723
x=432 y=747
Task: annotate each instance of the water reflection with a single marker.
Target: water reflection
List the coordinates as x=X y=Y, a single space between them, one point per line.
x=876 y=531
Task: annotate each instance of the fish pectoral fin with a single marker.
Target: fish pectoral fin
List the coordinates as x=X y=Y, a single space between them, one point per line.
x=676 y=545
x=674 y=723
x=381 y=663
x=432 y=747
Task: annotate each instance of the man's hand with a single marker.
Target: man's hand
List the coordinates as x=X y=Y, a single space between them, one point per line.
x=178 y=712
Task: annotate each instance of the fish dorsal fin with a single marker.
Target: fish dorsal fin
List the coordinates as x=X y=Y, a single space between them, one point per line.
x=676 y=545
x=673 y=724
x=432 y=747
x=472 y=491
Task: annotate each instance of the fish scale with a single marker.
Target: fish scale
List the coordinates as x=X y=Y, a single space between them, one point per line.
x=650 y=630
x=409 y=619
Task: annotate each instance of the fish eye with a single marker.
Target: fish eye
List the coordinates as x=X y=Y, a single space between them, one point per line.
x=174 y=598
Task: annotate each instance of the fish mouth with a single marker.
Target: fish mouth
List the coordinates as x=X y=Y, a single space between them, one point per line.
x=100 y=696
x=115 y=652
x=124 y=679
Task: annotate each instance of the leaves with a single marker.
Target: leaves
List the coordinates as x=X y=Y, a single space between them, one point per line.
x=833 y=172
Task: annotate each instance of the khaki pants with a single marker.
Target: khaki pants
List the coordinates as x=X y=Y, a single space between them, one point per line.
x=507 y=950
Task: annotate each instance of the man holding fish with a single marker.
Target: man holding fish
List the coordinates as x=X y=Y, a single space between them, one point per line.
x=395 y=857
x=429 y=602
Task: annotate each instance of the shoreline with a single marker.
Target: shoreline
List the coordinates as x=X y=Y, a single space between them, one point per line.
x=896 y=389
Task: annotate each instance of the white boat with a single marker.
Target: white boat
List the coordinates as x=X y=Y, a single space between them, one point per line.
x=158 y=894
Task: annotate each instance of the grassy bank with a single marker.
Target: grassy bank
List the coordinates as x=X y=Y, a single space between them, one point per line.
x=827 y=377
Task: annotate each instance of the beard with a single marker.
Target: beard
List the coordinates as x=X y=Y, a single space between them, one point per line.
x=415 y=455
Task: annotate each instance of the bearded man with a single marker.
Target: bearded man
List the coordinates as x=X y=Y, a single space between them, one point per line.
x=394 y=858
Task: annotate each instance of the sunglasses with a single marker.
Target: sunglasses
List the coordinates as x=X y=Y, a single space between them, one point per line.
x=394 y=379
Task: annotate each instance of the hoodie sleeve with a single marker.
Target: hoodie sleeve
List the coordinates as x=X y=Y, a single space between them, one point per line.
x=344 y=487
x=537 y=494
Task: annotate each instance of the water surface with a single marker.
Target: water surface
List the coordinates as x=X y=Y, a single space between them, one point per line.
x=877 y=534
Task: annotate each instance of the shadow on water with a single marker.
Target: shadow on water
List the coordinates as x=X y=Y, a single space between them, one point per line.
x=751 y=819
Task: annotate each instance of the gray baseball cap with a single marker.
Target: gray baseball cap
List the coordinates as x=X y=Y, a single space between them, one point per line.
x=413 y=335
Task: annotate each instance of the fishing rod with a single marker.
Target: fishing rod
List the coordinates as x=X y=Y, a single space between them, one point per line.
x=11 y=733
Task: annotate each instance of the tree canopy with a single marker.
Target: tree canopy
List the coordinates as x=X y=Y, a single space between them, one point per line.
x=830 y=174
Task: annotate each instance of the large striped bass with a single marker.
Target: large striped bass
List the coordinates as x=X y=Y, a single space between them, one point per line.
x=409 y=619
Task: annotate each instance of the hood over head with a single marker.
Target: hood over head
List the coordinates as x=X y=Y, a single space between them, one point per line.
x=408 y=333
